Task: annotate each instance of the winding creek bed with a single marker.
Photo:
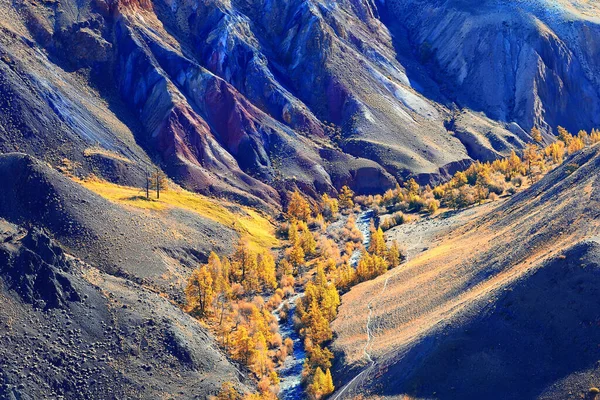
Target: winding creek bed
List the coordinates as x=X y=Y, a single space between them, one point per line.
x=290 y=372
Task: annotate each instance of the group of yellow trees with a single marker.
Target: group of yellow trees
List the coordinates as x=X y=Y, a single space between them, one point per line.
x=228 y=293
x=222 y=279
x=315 y=310
x=481 y=181
x=379 y=257
x=318 y=307
x=332 y=273
x=225 y=291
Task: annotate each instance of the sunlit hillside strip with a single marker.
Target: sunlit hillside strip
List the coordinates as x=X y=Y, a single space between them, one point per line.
x=250 y=224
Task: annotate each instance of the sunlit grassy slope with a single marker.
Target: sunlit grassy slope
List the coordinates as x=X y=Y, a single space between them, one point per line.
x=249 y=223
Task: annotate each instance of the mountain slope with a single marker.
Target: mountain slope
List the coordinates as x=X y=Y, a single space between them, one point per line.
x=70 y=330
x=488 y=294
x=249 y=98
x=533 y=62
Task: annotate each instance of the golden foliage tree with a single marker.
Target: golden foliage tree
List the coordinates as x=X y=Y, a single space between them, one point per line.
x=536 y=135
x=346 y=198
x=296 y=256
x=308 y=243
x=377 y=244
x=371 y=266
x=267 y=270
x=228 y=392
x=329 y=206
x=298 y=207
x=413 y=187
x=393 y=255
x=199 y=291
x=532 y=160
x=564 y=136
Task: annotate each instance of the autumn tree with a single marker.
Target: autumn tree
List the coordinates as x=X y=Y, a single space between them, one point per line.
x=261 y=363
x=243 y=344
x=555 y=151
x=316 y=325
x=296 y=256
x=413 y=187
x=575 y=145
x=293 y=232
x=377 y=244
x=199 y=291
x=345 y=276
x=267 y=270
x=584 y=137
x=564 y=136
x=329 y=206
x=532 y=158
x=228 y=392
x=595 y=136
x=346 y=198
x=308 y=242
x=159 y=182
x=318 y=356
x=536 y=135
x=393 y=255
x=322 y=384
x=371 y=266
x=298 y=207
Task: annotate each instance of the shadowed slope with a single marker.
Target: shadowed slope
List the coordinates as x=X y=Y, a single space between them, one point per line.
x=69 y=330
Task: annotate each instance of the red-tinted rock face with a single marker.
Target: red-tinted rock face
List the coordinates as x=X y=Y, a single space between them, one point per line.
x=245 y=98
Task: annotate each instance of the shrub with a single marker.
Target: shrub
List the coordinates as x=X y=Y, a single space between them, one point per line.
x=570 y=168
x=511 y=190
x=393 y=220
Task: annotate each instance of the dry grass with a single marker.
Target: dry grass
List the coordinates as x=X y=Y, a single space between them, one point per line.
x=249 y=223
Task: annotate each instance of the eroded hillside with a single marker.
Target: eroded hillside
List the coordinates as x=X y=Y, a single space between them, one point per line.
x=247 y=99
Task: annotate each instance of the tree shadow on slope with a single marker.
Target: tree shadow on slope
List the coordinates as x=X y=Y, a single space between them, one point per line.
x=541 y=329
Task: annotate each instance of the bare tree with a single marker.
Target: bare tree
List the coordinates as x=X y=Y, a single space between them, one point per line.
x=158 y=182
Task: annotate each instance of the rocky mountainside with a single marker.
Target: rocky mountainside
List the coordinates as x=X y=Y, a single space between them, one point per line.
x=70 y=330
x=91 y=294
x=532 y=62
x=247 y=98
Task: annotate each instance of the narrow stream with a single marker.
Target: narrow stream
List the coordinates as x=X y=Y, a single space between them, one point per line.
x=290 y=372
x=363 y=223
